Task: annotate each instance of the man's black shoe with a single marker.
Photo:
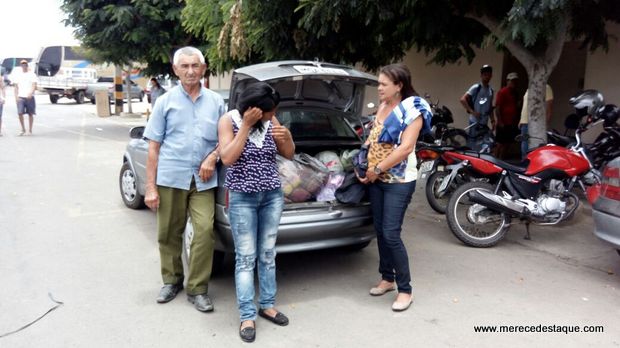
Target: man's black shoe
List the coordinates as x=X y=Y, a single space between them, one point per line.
x=202 y=302
x=169 y=292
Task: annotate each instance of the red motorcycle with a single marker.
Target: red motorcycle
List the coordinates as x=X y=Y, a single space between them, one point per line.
x=538 y=191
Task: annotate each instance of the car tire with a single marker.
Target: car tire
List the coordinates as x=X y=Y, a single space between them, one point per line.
x=218 y=256
x=93 y=101
x=79 y=98
x=53 y=98
x=129 y=188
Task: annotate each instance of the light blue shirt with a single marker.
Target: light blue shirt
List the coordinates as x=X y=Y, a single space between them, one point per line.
x=187 y=132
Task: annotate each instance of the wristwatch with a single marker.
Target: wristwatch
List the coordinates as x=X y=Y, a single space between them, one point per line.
x=378 y=170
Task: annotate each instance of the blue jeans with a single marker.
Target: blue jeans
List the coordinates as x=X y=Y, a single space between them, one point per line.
x=389 y=203
x=254 y=220
x=524 y=140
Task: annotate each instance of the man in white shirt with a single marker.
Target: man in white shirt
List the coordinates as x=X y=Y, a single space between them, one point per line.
x=25 y=86
x=2 y=98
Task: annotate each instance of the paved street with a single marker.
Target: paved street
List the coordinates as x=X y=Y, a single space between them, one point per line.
x=64 y=230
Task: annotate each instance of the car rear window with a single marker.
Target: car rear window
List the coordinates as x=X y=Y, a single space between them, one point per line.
x=316 y=124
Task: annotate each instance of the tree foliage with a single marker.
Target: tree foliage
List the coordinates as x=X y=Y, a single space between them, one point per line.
x=375 y=32
x=128 y=31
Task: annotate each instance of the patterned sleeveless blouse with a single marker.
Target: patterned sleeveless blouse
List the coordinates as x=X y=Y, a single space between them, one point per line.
x=403 y=172
x=256 y=170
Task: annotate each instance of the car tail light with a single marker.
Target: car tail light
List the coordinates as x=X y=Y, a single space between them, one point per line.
x=427 y=155
x=610 y=187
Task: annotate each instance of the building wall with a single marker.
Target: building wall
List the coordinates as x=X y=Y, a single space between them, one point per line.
x=603 y=69
x=448 y=83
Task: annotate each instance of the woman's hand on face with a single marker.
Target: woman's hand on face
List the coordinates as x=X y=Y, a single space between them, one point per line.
x=251 y=116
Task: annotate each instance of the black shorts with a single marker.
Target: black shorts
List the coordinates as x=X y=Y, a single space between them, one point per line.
x=506 y=134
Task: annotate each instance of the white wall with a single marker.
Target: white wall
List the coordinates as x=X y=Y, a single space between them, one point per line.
x=603 y=69
x=448 y=83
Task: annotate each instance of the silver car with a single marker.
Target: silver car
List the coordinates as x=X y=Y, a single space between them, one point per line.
x=317 y=99
x=606 y=208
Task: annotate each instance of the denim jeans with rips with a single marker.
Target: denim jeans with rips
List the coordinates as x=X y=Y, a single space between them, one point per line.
x=254 y=220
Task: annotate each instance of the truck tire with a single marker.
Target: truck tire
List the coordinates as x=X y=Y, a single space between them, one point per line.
x=92 y=100
x=53 y=98
x=79 y=97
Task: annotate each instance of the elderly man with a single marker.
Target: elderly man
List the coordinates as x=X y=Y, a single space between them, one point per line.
x=181 y=177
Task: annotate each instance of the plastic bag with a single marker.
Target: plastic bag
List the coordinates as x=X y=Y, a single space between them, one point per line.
x=331 y=160
x=346 y=158
x=301 y=178
x=328 y=191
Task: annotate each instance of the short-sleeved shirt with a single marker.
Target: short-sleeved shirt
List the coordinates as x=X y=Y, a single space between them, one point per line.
x=24 y=81
x=483 y=102
x=524 y=111
x=187 y=132
x=406 y=170
x=507 y=106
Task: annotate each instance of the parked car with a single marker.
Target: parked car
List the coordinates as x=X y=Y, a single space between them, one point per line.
x=606 y=208
x=316 y=100
x=107 y=83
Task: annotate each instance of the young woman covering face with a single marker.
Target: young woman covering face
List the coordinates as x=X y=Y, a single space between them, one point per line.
x=250 y=137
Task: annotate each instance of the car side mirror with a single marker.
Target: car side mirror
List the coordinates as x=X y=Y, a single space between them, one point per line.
x=136 y=132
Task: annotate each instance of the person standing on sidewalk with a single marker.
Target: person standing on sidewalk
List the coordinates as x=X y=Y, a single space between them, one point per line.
x=2 y=99
x=25 y=86
x=392 y=175
x=250 y=137
x=478 y=102
x=524 y=121
x=181 y=177
x=507 y=113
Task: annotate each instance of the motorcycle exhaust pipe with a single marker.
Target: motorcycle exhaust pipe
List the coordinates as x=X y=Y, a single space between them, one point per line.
x=498 y=203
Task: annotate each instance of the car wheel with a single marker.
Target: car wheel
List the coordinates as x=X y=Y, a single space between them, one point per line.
x=129 y=188
x=92 y=100
x=53 y=98
x=218 y=256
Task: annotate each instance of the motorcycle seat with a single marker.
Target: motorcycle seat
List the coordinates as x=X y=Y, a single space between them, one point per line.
x=517 y=168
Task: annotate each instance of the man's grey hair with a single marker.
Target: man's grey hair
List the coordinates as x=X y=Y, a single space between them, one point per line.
x=187 y=51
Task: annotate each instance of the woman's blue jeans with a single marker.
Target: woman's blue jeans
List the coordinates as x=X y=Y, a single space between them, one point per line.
x=389 y=203
x=254 y=220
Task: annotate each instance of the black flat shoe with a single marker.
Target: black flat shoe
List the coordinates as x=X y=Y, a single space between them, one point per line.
x=168 y=292
x=279 y=318
x=247 y=334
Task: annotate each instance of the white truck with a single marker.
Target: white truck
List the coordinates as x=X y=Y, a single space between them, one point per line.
x=63 y=72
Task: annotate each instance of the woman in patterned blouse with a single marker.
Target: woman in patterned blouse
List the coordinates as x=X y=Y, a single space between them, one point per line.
x=392 y=176
x=249 y=139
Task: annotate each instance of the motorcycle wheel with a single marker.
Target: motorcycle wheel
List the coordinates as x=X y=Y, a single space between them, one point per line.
x=455 y=137
x=472 y=223
x=439 y=204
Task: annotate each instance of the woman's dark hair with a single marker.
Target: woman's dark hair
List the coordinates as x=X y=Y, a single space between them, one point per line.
x=399 y=73
x=156 y=82
x=260 y=95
